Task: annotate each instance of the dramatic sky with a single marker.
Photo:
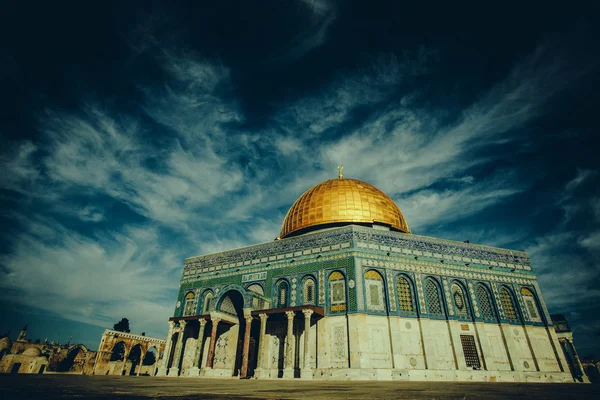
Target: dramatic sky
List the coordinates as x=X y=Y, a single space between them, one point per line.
x=134 y=135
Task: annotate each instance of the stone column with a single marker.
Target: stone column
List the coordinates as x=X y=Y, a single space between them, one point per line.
x=262 y=357
x=195 y=370
x=156 y=366
x=578 y=361
x=124 y=361
x=213 y=341
x=174 y=371
x=288 y=371
x=306 y=369
x=162 y=369
x=246 y=348
x=141 y=361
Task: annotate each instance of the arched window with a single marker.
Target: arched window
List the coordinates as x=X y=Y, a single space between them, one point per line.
x=485 y=303
x=508 y=304
x=435 y=307
x=405 y=295
x=207 y=301
x=256 y=288
x=337 y=292
x=282 y=294
x=461 y=306
x=308 y=291
x=189 y=308
x=531 y=305
x=374 y=291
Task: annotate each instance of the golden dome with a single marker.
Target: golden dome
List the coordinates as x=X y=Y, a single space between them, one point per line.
x=339 y=201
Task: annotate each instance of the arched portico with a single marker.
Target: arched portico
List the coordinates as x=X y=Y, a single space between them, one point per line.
x=118 y=350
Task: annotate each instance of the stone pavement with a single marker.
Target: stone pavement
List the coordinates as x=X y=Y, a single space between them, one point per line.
x=49 y=386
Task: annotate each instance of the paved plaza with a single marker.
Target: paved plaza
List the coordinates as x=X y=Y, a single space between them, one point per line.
x=117 y=387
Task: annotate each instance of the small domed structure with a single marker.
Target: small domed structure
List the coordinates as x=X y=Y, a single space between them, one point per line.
x=32 y=352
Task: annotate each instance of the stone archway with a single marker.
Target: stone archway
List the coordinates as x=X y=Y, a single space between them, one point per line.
x=135 y=357
x=231 y=325
x=74 y=360
x=149 y=362
x=117 y=348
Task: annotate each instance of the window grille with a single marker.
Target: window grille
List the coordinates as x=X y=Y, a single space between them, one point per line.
x=337 y=291
x=470 y=351
x=256 y=288
x=309 y=291
x=434 y=302
x=485 y=303
x=508 y=304
x=531 y=305
x=227 y=306
x=189 y=304
x=282 y=295
x=405 y=299
x=460 y=302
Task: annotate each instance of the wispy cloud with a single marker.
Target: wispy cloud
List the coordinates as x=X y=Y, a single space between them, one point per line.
x=90 y=279
x=321 y=14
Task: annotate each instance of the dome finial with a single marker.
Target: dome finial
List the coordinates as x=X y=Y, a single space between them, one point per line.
x=340 y=168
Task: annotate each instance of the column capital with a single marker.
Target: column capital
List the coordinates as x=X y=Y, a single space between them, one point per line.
x=247 y=311
x=215 y=320
x=307 y=312
x=290 y=314
x=202 y=322
x=182 y=323
x=171 y=324
x=263 y=316
x=248 y=318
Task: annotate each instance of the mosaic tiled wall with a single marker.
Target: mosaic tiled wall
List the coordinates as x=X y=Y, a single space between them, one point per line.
x=360 y=238
x=390 y=253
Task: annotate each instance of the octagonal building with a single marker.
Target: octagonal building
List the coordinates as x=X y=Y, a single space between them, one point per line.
x=348 y=292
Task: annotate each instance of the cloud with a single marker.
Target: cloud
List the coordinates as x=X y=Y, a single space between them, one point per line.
x=402 y=148
x=581 y=177
x=20 y=169
x=106 y=152
x=566 y=277
x=90 y=279
x=428 y=207
x=195 y=181
x=322 y=15
x=591 y=242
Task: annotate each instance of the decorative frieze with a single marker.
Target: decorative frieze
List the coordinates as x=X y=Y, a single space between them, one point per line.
x=339 y=239
x=258 y=276
x=444 y=269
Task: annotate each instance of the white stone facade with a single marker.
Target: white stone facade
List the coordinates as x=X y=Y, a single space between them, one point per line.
x=386 y=306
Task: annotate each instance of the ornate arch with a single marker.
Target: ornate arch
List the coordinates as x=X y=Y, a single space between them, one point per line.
x=282 y=293
x=532 y=304
x=337 y=291
x=510 y=305
x=189 y=303
x=434 y=298
x=235 y=287
x=375 y=294
x=485 y=299
x=460 y=300
x=309 y=289
x=256 y=287
x=207 y=299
